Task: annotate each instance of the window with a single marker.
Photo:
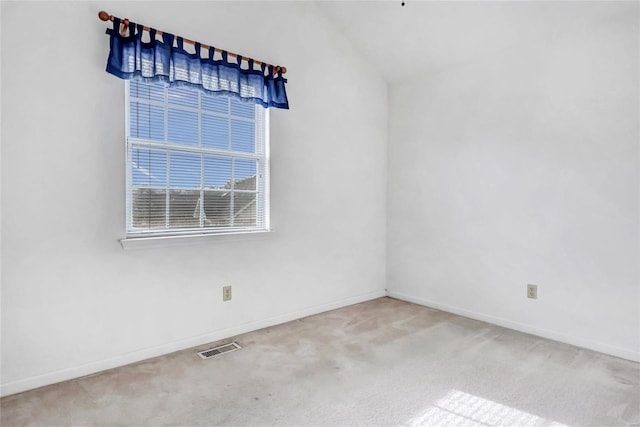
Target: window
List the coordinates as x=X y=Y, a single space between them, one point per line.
x=195 y=163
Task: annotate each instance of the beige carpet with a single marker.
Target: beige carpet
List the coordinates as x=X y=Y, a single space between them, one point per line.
x=383 y=362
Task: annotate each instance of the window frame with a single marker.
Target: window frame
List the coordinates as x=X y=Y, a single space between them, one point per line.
x=175 y=234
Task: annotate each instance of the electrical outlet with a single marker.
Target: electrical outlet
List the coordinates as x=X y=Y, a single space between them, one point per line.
x=226 y=293
x=532 y=291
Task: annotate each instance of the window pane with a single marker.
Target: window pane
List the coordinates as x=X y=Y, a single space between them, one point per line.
x=148 y=208
x=219 y=104
x=134 y=89
x=184 y=170
x=244 y=172
x=183 y=96
x=183 y=127
x=217 y=208
x=242 y=109
x=215 y=132
x=184 y=208
x=148 y=167
x=146 y=91
x=217 y=172
x=244 y=209
x=242 y=136
x=146 y=121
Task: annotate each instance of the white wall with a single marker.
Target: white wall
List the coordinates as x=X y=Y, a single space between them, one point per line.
x=523 y=167
x=73 y=302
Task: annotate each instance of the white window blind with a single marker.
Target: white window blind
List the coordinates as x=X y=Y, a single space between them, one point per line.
x=195 y=163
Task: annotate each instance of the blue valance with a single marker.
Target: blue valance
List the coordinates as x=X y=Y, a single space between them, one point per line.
x=161 y=61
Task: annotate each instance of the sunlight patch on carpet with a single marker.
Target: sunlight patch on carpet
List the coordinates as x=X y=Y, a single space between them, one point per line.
x=460 y=408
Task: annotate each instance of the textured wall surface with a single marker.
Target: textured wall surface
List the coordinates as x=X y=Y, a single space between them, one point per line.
x=68 y=286
x=522 y=167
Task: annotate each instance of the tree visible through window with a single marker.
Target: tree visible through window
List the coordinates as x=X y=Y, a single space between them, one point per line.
x=195 y=162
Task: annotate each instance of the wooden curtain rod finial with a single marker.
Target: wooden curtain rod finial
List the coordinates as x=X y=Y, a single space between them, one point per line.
x=104 y=16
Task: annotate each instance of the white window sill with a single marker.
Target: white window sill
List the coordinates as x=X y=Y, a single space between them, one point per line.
x=190 y=239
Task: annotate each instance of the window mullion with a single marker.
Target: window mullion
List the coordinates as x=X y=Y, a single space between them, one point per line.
x=167 y=208
x=232 y=198
x=195 y=149
x=233 y=163
x=260 y=203
x=202 y=215
x=129 y=180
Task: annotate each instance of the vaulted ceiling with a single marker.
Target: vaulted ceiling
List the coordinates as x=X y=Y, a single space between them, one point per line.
x=402 y=41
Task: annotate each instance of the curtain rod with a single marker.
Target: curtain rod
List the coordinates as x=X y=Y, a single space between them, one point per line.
x=104 y=16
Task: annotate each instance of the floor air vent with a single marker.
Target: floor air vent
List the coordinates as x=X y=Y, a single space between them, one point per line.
x=212 y=352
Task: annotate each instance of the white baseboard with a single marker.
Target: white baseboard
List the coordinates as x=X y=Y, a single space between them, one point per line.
x=553 y=335
x=136 y=356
